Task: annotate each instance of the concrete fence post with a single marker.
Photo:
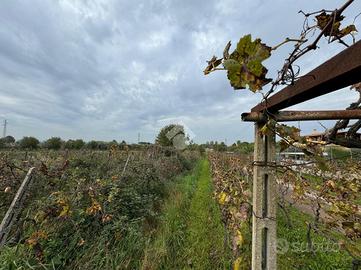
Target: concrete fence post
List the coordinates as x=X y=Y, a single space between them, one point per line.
x=264 y=234
x=15 y=208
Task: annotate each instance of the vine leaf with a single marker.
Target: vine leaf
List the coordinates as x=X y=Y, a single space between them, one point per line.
x=283 y=145
x=244 y=65
x=333 y=29
x=348 y=30
x=289 y=132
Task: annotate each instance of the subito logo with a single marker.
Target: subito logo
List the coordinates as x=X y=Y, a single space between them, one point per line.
x=180 y=135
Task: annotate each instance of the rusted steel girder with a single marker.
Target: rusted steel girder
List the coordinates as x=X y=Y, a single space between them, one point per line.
x=284 y=116
x=341 y=71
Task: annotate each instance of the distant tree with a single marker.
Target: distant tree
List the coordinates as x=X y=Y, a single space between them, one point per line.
x=8 y=139
x=29 y=143
x=123 y=145
x=114 y=142
x=162 y=138
x=74 y=144
x=221 y=147
x=92 y=145
x=171 y=135
x=246 y=147
x=144 y=143
x=103 y=145
x=98 y=145
x=54 y=143
x=233 y=147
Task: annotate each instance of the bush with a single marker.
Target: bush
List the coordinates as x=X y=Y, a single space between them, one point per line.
x=74 y=144
x=92 y=211
x=8 y=139
x=97 y=145
x=53 y=143
x=29 y=143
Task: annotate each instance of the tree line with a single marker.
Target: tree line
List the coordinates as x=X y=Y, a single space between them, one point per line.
x=166 y=137
x=56 y=143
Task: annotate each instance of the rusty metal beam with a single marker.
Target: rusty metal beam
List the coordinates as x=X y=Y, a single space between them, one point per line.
x=341 y=71
x=284 y=116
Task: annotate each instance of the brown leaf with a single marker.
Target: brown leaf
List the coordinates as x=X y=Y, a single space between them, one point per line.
x=212 y=64
x=226 y=51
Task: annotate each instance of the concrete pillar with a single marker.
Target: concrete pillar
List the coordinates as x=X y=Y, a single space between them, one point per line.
x=15 y=208
x=264 y=237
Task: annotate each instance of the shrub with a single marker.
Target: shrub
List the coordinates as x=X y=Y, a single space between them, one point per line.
x=29 y=143
x=53 y=143
x=74 y=144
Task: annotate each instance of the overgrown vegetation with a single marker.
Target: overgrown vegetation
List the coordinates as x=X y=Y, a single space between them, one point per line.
x=87 y=209
x=305 y=241
x=295 y=252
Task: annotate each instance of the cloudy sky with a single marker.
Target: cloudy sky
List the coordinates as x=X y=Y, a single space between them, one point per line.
x=110 y=69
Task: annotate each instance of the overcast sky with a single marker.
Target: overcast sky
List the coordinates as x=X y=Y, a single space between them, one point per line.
x=110 y=69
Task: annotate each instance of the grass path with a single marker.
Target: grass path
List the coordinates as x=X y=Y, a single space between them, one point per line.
x=192 y=234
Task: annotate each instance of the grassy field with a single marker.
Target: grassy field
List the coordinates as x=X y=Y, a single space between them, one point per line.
x=192 y=235
x=293 y=246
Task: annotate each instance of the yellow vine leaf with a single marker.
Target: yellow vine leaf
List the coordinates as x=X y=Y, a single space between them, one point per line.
x=237 y=264
x=239 y=238
x=222 y=198
x=94 y=208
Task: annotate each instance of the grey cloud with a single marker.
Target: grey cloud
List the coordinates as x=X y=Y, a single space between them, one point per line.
x=110 y=69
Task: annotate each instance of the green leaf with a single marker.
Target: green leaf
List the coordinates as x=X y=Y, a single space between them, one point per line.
x=244 y=65
x=234 y=73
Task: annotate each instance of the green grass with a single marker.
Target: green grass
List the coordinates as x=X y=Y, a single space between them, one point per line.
x=326 y=257
x=338 y=153
x=192 y=235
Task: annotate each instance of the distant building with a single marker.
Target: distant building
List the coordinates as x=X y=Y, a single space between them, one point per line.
x=320 y=137
x=294 y=155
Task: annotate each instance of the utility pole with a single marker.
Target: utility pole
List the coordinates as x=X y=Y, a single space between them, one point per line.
x=4 y=131
x=138 y=137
